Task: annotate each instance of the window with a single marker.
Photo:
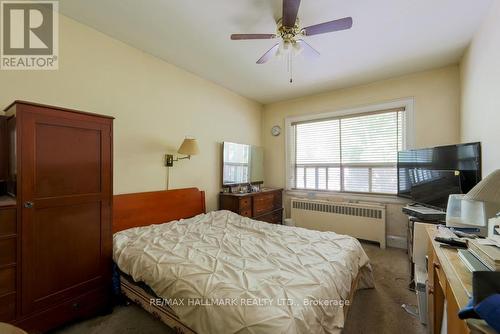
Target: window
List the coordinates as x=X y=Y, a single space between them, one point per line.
x=350 y=153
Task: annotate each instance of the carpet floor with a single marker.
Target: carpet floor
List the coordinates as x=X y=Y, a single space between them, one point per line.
x=379 y=310
x=372 y=311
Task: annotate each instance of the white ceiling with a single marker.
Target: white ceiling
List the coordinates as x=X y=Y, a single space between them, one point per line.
x=388 y=38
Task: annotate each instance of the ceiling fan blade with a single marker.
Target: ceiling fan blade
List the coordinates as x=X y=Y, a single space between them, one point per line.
x=269 y=54
x=307 y=50
x=252 y=36
x=331 y=26
x=290 y=11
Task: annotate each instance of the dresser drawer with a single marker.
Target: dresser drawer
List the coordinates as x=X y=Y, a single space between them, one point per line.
x=275 y=217
x=7 y=251
x=7 y=280
x=245 y=203
x=278 y=200
x=246 y=213
x=263 y=204
x=7 y=307
x=254 y=205
x=7 y=222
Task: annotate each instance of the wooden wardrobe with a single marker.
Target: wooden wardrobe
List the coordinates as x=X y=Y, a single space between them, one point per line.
x=55 y=215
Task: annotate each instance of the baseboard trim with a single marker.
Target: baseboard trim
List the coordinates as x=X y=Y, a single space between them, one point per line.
x=395 y=241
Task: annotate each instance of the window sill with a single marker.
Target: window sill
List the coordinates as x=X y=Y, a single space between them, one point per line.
x=346 y=196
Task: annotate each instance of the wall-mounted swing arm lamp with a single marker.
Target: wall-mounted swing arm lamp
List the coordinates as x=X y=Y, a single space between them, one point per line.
x=188 y=148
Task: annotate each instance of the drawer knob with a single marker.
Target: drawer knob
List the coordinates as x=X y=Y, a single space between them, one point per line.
x=28 y=205
x=76 y=306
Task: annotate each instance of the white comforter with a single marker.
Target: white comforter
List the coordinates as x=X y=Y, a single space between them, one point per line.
x=224 y=273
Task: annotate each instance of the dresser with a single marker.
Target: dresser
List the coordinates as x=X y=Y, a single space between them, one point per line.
x=55 y=215
x=265 y=205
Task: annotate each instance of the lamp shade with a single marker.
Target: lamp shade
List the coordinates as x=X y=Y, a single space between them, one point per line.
x=189 y=147
x=488 y=190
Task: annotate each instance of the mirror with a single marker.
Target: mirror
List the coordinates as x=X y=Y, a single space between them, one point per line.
x=242 y=164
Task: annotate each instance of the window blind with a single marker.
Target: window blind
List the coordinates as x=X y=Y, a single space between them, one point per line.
x=356 y=153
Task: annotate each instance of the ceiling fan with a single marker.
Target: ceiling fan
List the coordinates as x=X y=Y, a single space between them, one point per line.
x=290 y=32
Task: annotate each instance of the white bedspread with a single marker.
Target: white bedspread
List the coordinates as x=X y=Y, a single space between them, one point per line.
x=224 y=273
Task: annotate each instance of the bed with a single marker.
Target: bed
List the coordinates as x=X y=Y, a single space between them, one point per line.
x=219 y=272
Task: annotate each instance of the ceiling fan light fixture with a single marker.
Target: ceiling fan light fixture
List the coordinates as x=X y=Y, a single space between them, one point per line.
x=289 y=30
x=289 y=48
x=283 y=50
x=297 y=48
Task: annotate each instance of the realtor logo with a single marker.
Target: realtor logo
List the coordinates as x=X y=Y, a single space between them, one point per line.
x=29 y=35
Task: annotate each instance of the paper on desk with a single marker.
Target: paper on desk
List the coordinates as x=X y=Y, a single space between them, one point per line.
x=488 y=242
x=445 y=232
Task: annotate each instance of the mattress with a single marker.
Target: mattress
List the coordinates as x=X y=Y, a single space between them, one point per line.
x=142 y=295
x=224 y=273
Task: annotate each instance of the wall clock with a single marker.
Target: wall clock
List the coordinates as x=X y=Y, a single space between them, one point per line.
x=276 y=130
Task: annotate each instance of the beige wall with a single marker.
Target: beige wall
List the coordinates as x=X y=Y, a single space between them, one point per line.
x=155 y=104
x=480 y=77
x=436 y=94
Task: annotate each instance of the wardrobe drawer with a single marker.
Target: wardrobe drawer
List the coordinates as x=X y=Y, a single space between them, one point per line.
x=262 y=204
x=7 y=280
x=94 y=300
x=80 y=307
x=8 y=307
x=7 y=251
x=7 y=222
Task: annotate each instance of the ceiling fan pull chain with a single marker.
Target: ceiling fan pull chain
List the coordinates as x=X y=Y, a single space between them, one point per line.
x=290 y=68
x=287 y=63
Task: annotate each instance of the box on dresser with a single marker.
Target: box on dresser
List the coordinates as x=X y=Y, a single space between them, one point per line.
x=265 y=205
x=55 y=234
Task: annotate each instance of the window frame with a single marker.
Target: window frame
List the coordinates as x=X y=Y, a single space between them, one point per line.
x=408 y=139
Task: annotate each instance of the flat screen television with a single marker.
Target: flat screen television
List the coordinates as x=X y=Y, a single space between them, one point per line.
x=428 y=176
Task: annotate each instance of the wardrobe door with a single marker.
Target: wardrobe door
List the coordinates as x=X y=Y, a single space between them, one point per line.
x=3 y=151
x=65 y=172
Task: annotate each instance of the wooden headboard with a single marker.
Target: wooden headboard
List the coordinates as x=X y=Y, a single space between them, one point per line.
x=156 y=207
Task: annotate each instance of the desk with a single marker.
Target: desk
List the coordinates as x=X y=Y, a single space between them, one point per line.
x=450 y=280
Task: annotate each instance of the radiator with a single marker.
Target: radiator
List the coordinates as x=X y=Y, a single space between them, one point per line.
x=362 y=221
